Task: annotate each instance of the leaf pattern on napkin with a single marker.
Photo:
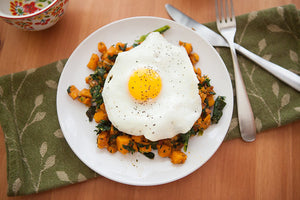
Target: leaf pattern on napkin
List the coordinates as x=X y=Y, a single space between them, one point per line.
x=275 y=88
x=294 y=56
x=280 y=11
x=63 y=176
x=262 y=44
x=58 y=133
x=81 y=178
x=51 y=84
x=16 y=185
x=37 y=151
x=43 y=149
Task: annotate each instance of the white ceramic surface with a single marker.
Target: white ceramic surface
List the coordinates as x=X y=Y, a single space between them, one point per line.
x=136 y=169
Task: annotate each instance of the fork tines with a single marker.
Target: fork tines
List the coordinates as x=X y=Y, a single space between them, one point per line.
x=230 y=16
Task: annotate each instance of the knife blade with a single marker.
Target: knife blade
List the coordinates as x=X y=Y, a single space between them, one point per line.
x=217 y=40
x=212 y=37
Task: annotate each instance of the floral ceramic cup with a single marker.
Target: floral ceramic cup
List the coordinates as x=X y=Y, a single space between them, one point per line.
x=32 y=15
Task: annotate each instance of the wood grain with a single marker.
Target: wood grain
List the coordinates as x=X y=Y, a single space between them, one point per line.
x=268 y=168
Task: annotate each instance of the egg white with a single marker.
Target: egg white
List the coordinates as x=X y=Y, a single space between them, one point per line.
x=178 y=104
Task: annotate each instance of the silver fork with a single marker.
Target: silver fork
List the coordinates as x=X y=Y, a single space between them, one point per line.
x=227 y=28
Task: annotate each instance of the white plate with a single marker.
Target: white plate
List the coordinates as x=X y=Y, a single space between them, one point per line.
x=137 y=169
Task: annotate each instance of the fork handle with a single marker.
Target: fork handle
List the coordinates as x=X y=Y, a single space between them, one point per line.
x=245 y=113
x=281 y=73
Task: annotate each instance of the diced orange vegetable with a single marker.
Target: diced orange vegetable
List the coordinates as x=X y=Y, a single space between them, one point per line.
x=123 y=140
x=93 y=63
x=102 y=107
x=104 y=57
x=194 y=58
x=112 y=148
x=113 y=131
x=105 y=75
x=137 y=139
x=120 y=46
x=85 y=93
x=100 y=115
x=203 y=123
x=203 y=96
x=85 y=100
x=206 y=122
x=112 y=51
x=73 y=91
x=90 y=81
x=207 y=111
x=178 y=157
x=128 y=48
x=188 y=47
x=102 y=140
x=134 y=146
x=144 y=147
x=198 y=72
x=164 y=150
x=102 y=47
x=211 y=100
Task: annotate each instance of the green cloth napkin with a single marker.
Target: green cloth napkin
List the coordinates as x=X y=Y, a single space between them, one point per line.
x=38 y=157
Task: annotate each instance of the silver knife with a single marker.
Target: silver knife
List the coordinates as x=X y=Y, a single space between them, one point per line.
x=215 y=39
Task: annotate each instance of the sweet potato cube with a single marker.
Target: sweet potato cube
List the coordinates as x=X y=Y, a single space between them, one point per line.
x=144 y=147
x=194 y=57
x=188 y=47
x=85 y=100
x=178 y=157
x=120 y=46
x=100 y=115
x=102 y=47
x=211 y=101
x=164 y=150
x=102 y=140
x=93 y=63
x=123 y=140
x=137 y=139
x=85 y=93
x=73 y=92
x=112 y=148
x=112 y=51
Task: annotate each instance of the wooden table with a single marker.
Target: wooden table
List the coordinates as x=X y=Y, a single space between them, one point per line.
x=268 y=168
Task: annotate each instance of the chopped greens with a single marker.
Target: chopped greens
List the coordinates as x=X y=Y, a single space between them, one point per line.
x=218 y=109
x=129 y=147
x=99 y=75
x=143 y=37
x=123 y=48
x=149 y=155
x=97 y=95
x=104 y=125
x=185 y=138
x=113 y=57
x=206 y=83
x=154 y=145
x=69 y=90
x=91 y=112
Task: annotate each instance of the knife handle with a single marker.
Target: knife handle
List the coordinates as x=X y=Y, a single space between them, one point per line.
x=281 y=73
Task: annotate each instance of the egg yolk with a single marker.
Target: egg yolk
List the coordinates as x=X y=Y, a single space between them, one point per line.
x=144 y=84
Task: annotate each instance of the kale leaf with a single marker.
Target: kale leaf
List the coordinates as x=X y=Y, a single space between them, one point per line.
x=218 y=109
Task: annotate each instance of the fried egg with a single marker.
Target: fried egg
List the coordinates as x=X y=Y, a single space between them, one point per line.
x=152 y=90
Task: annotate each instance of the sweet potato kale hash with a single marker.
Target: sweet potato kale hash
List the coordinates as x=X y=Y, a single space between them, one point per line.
x=114 y=140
